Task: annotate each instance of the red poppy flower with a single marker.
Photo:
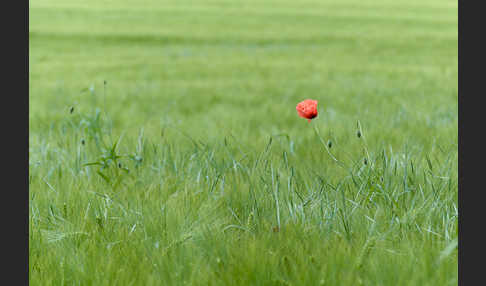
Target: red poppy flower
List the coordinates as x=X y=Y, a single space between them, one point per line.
x=307 y=109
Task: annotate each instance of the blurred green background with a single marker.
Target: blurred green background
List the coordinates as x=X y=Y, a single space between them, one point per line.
x=211 y=67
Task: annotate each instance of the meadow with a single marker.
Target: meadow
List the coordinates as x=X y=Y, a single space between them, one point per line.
x=165 y=147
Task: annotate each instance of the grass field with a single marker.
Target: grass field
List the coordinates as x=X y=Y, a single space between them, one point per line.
x=165 y=148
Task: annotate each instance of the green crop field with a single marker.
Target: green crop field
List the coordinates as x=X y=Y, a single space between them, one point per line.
x=165 y=147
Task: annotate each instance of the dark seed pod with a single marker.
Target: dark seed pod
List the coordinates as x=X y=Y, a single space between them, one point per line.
x=82 y=142
x=359 y=134
x=119 y=165
x=365 y=161
x=71 y=110
x=329 y=143
x=99 y=221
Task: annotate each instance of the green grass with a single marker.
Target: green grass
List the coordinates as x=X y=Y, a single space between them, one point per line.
x=203 y=174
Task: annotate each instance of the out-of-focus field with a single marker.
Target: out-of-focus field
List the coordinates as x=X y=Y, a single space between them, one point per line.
x=219 y=182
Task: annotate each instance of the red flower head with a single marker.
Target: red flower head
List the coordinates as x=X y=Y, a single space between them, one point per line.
x=307 y=109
